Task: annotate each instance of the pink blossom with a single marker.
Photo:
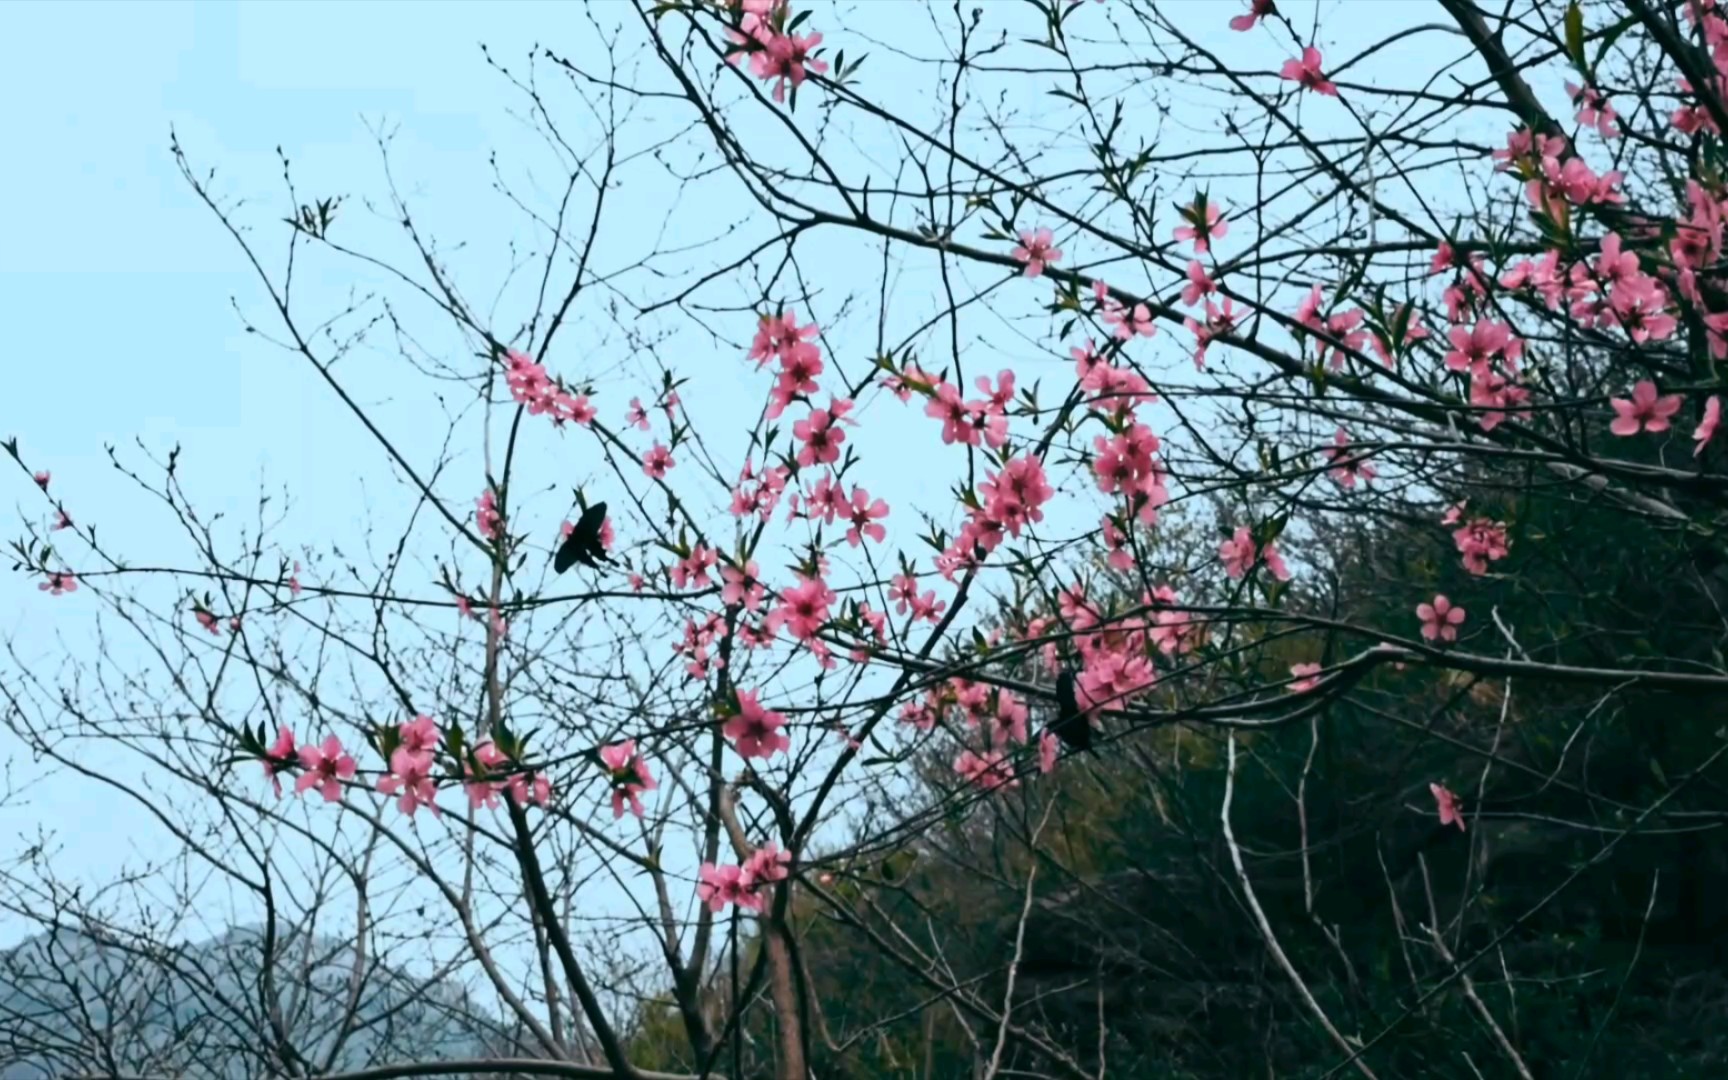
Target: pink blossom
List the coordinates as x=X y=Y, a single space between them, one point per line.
x=486 y=516
x=990 y=770
x=722 y=885
x=864 y=516
x=1481 y=542
x=59 y=583
x=1257 y=9
x=1707 y=424
x=1240 y=554
x=1444 y=259
x=483 y=792
x=326 y=765
x=785 y=59
x=657 y=462
x=1129 y=322
x=1645 y=411
x=927 y=607
x=742 y=588
x=628 y=772
x=42 y=479
x=637 y=417
x=206 y=619
x=1446 y=804
x=1346 y=469
x=1307 y=677
x=755 y=730
x=821 y=438
x=803 y=608
x=1593 y=110
x=294 y=581
x=1199 y=285
x=1204 y=224
x=410 y=779
x=1440 y=620
x=420 y=735
x=1219 y=321
x=1048 y=749
x=767 y=865
x=1037 y=249
x=691 y=572
x=1306 y=73
x=902 y=589
x=1475 y=346
x=280 y=753
x=526 y=789
x=62 y=520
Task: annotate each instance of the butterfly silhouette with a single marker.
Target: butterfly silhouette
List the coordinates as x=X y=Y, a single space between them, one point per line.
x=583 y=544
x=1070 y=724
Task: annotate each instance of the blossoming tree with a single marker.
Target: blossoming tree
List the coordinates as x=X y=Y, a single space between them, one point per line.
x=1116 y=272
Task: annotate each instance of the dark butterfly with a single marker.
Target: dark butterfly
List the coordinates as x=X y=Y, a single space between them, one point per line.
x=583 y=544
x=1070 y=724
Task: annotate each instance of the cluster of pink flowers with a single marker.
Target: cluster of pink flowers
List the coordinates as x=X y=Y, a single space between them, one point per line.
x=530 y=386
x=1489 y=353
x=1120 y=390
x=1343 y=327
x=1556 y=179
x=776 y=56
x=973 y=420
x=759 y=494
x=1013 y=498
x=903 y=591
x=1127 y=465
x=780 y=338
x=691 y=571
x=699 y=639
x=1115 y=664
x=1706 y=16
x=994 y=722
x=999 y=715
x=1126 y=323
x=1615 y=292
x=748 y=886
x=1220 y=321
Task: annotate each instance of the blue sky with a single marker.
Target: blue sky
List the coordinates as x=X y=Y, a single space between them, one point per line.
x=115 y=283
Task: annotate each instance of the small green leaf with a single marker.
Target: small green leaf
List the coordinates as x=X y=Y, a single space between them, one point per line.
x=1575 y=35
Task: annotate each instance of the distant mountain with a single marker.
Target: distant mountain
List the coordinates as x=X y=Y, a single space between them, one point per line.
x=73 y=1004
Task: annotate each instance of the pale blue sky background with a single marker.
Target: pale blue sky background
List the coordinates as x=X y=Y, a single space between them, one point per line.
x=115 y=283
